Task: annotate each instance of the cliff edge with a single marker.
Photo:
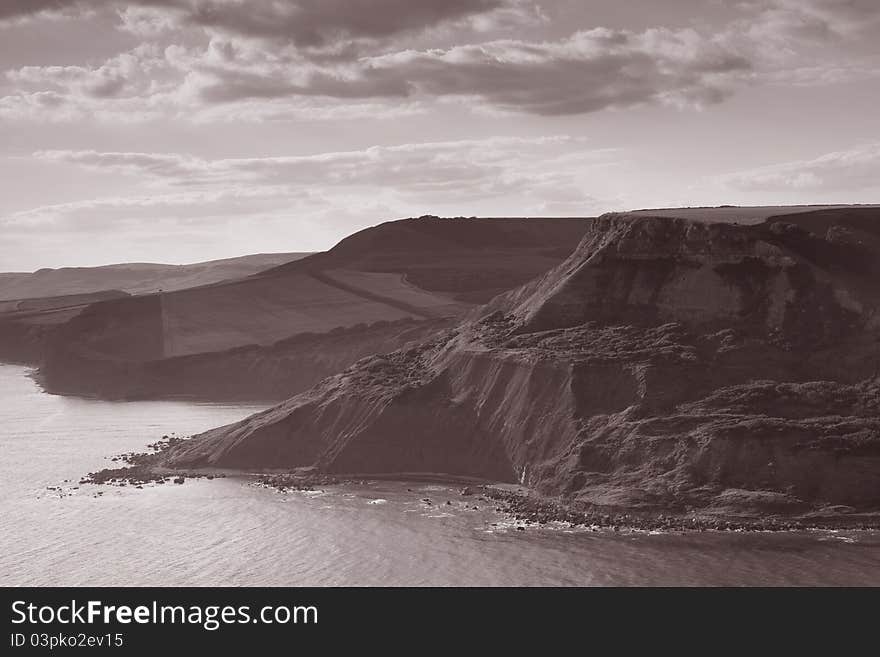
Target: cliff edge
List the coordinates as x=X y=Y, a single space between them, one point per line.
x=667 y=364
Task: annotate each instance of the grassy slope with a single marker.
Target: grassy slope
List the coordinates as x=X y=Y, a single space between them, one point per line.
x=415 y=268
x=134 y=277
x=373 y=292
x=262 y=311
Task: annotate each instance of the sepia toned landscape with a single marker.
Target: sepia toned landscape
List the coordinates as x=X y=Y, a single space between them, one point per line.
x=477 y=293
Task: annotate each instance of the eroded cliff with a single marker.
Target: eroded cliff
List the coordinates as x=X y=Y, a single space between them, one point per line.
x=667 y=364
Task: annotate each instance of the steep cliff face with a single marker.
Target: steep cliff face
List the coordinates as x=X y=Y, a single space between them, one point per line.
x=774 y=277
x=666 y=364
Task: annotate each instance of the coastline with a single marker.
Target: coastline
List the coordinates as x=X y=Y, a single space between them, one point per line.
x=203 y=533
x=518 y=502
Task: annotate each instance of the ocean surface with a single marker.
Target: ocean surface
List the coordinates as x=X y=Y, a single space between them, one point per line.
x=232 y=532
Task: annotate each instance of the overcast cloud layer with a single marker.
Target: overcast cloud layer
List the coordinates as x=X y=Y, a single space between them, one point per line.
x=182 y=130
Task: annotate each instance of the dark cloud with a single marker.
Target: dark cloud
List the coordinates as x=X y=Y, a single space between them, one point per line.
x=234 y=85
x=302 y=23
x=19 y=8
x=315 y=23
x=588 y=72
x=297 y=50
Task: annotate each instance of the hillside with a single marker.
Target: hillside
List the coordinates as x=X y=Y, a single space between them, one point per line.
x=415 y=272
x=26 y=325
x=469 y=259
x=668 y=365
x=33 y=306
x=134 y=278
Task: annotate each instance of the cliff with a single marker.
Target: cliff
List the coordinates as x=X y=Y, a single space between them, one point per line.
x=667 y=364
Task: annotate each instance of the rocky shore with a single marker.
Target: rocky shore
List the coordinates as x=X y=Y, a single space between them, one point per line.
x=138 y=468
x=518 y=503
x=291 y=481
x=527 y=507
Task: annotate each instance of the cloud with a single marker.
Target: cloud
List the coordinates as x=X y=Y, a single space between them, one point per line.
x=146 y=22
x=306 y=24
x=12 y=9
x=821 y=18
x=321 y=23
x=305 y=58
x=801 y=34
x=587 y=72
x=178 y=205
x=114 y=211
x=127 y=74
x=481 y=166
x=856 y=169
x=160 y=165
x=516 y=175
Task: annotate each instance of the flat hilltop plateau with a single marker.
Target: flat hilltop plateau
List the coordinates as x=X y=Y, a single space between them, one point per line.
x=669 y=365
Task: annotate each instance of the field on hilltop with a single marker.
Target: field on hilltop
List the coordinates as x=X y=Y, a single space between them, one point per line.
x=262 y=311
x=737 y=214
x=395 y=287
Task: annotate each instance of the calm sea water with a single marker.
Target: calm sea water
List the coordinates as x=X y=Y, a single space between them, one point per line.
x=230 y=532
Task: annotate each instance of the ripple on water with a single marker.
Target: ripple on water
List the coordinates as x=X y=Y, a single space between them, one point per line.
x=227 y=531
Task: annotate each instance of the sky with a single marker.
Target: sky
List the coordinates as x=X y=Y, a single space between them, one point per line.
x=187 y=130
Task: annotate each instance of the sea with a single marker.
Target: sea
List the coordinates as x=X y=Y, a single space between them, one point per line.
x=231 y=531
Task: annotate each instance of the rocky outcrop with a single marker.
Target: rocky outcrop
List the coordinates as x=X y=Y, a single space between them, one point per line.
x=667 y=364
x=771 y=278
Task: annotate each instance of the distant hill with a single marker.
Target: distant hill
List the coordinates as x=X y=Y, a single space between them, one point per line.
x=134 y=278
x=397 y=275
x=468 y=258
x=59 y=303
